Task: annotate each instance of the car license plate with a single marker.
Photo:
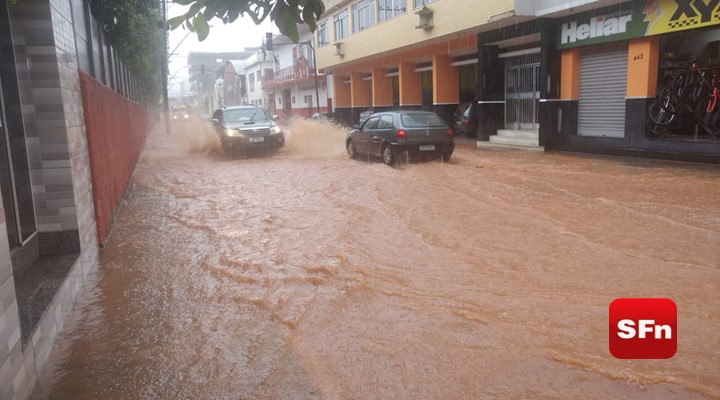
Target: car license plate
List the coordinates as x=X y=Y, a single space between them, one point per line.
x=427 y=147
x=257 y=139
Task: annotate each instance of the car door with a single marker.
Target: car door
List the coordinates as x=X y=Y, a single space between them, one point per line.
x=383 y=133
x=363 y=136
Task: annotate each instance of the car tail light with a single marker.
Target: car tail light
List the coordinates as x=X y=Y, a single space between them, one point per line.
x=450 y=132
x=401 y=134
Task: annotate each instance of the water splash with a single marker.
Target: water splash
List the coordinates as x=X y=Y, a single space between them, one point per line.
x=314 y=139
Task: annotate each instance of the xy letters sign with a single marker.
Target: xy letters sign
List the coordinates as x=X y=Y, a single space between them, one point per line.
x=636 y=19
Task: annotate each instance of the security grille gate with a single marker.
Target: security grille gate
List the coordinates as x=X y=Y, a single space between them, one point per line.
x=603 y=85
x=522 y=92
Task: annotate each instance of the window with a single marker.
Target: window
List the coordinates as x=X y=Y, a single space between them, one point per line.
x=421 y=120
x=420 y=3
x=293 y=99
x=251 y=78
x=363 y=13
x=388 y=9
x=371 y=123
x=340 y=22
x=303 y=51
x=323 y=37
x=386 y=122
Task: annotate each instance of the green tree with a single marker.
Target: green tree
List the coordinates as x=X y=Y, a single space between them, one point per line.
x=134 y=29
x=286 y=14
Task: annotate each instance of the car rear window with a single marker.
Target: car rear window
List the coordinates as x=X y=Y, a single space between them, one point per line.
x=421 y=120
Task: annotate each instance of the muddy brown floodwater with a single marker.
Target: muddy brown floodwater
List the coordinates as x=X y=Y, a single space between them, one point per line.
x=306 y=275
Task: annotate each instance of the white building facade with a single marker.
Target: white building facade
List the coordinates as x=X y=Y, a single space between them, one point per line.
x=294 y=89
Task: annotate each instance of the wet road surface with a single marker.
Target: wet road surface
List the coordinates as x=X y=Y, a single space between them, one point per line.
x=306 y=275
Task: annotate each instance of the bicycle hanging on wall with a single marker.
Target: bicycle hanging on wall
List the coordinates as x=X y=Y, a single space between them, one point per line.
x=689 y=101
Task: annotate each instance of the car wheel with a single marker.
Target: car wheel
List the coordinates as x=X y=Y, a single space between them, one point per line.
x=226 y=147
x=352 y=151
x=446 y=155
x=388 y=155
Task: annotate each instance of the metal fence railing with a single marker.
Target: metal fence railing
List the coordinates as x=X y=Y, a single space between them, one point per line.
x=98 y=58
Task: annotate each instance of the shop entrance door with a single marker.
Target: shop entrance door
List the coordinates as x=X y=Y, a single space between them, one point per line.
x=522 y=92
x=602 y=91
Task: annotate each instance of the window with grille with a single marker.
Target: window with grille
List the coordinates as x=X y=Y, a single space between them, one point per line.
x=388 y=9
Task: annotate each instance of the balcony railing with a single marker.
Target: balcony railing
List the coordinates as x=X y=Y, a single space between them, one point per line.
x=290 y=75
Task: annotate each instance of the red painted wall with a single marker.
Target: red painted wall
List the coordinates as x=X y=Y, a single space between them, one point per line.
x=116 y=132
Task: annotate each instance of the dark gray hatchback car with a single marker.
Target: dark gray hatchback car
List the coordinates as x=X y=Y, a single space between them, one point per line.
x=389 y=134
x=247 y=128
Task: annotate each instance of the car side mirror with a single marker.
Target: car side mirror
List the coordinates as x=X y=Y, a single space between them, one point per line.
x=274 y=117
x=215 y=121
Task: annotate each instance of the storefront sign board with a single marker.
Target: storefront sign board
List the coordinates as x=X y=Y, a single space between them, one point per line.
x=636 y=19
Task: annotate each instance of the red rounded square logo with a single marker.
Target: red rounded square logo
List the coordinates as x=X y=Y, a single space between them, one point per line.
x=643 y=328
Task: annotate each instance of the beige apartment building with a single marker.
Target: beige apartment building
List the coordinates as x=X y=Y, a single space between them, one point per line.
x=580 y=75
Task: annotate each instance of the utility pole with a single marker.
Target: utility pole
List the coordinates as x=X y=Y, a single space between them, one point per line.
x=164 y=66
x=317 y=91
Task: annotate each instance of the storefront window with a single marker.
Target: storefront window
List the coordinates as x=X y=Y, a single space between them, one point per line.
x=688 y=84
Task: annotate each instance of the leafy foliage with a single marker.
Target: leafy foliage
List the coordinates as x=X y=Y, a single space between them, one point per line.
x=134 y=28
x=287 y=14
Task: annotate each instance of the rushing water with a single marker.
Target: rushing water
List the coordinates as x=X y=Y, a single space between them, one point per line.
x=306 y=275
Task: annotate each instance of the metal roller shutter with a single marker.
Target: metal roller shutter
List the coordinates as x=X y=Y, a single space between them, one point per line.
x=603 y=85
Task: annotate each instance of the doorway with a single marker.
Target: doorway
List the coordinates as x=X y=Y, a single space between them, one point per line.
x=522 y=92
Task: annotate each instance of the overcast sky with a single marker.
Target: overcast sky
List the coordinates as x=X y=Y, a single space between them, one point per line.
x=232 y=37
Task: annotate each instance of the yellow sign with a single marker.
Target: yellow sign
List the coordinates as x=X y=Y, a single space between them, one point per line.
x=636 y=19
x=666 y=16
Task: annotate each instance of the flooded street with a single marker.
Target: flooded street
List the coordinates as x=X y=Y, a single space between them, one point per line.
x=307 y=275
